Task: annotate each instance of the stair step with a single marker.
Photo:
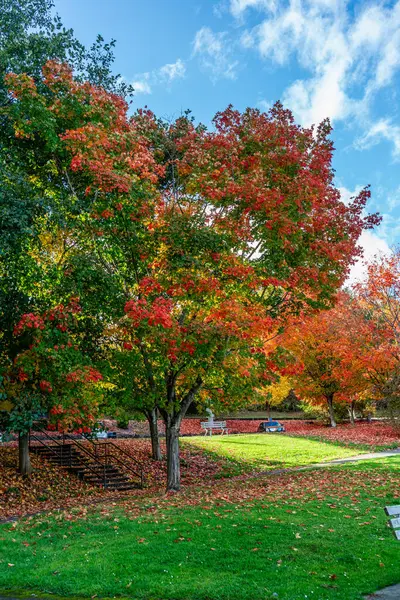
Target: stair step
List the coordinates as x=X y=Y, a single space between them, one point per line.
x=55 y=459
x=56 y=455
x=122 y=486
x=110 y=475
x=97 y=473
x=82 y=470
x=66 y=447
x=109 y=479
x=100 y=470
x=86 y=465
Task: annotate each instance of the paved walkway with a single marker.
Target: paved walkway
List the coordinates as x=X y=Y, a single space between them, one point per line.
x=336 y=461
x=389 y=593
x=383 y=454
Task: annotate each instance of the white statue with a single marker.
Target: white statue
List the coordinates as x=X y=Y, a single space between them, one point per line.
x=210 y=415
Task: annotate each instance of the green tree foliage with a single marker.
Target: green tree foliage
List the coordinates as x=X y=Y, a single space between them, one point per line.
x=207 y=241
x=35 y=204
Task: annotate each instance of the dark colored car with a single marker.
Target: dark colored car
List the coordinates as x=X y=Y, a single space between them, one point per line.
x=270 y=427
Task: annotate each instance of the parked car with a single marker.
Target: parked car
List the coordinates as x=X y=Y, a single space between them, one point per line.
x=271 y=427
x=100 y=432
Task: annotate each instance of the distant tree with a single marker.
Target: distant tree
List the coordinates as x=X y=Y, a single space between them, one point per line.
x=331 y=348
x=291 y=402
x=379 y=294
x=275 y=393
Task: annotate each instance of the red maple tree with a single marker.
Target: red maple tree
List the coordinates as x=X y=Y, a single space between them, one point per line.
x=379 y=295
x=213 y=238
x=49 y=375
x=332 y=348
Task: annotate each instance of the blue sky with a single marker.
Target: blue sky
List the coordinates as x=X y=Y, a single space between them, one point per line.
x=321 y=58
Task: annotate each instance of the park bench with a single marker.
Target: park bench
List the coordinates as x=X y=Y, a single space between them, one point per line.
x=394 y=511
x=210 y=426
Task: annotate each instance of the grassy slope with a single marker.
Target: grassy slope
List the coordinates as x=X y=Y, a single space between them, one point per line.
x=270 y=451
x=335 y=548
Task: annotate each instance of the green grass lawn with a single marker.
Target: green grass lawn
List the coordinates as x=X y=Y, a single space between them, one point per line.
x=291 y=547
x=270 y=451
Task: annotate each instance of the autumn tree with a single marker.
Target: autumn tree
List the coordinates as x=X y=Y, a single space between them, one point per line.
x=58 y=256
x=126 y=395
x=30 y=34
x=209 y=240
x=275 y=393
x=36 y=211
x=331 y=349
x=379 y=294
x=51 y=375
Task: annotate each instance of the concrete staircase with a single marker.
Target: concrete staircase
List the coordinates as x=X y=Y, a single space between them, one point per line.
x=99 y=464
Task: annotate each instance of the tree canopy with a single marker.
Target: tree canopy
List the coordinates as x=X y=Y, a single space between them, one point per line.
x=206 y=241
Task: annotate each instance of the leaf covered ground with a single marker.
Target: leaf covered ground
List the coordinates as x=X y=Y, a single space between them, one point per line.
x=376 y=434
x=50 y=487
x=320 y=534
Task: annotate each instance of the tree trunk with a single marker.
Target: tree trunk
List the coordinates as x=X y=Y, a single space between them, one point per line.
x=155 y=440
x=268 y=409
x=24 y=464
x=331 y=411
x=173 y=464
x=173 y=419
x=351 y=413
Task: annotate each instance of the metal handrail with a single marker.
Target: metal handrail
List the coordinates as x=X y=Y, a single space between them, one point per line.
x=107 y=454
x=132 y=458
x=94 y=456
x=80 y=446
x=72 y=439
x=121 y=451
x=32 y=435
x=108 y=443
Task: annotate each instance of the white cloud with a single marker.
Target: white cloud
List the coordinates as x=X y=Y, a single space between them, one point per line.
x=348 y=55
x=166 y=74
x=390 y=228
x=264 y=105
x=323 y=96
x=393 y=199
x=213 y=50
x=370 y=242
x=390 y=61
x=372 y=245
x=238 y=7
x=142 y=85
x=368 y=28
x=381 y=130
x=176 y=70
